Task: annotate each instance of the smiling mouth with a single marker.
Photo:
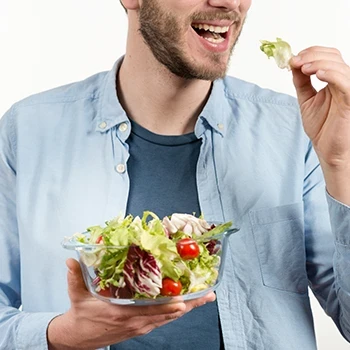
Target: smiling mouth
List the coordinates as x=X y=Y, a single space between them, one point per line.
x=213 y=34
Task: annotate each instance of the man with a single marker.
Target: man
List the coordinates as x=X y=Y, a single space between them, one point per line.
x=77 y=155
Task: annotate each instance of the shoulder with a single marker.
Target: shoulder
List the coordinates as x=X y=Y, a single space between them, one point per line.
x=89 y=88
x=244 y=91
x=250 y=107
x=48 y=109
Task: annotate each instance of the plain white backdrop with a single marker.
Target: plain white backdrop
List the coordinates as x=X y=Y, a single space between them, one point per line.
x=44 y=44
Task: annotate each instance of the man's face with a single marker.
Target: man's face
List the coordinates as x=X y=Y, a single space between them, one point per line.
x=194 y=39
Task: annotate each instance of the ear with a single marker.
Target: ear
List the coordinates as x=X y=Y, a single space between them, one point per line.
x=130 y=4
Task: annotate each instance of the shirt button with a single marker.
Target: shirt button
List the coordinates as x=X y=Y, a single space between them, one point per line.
x=120 y=168
x=123 y=127
x=102 y=125
x=221 y=126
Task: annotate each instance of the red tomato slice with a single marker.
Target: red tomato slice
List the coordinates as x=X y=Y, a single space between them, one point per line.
x=187 y=248
x=105 y=292
x=170 y=287
x=99 y=239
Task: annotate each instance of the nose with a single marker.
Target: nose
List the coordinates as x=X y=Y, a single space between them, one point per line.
x=225 y=4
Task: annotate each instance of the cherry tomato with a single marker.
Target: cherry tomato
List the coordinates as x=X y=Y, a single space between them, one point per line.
x=105 y=292
x=170 y=287
x=99 y=239
x=187 y=248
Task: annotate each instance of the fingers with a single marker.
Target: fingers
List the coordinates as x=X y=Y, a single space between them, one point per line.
x=151 y=310
x=327 y=64
x=166 y=309
x=140 y=326
x=191 y=304
x=317 y=49
x=305 y=57
x=76 y=284
x=334 y=73
x=311 y=60
x=315 y=66
x=303 y=86
x=338 y=80
x=156 y=321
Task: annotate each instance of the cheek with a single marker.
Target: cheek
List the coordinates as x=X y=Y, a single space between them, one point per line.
x=183 y=6
x=245 y=5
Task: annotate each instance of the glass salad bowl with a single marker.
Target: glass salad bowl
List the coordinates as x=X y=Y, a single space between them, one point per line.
x=140 y=261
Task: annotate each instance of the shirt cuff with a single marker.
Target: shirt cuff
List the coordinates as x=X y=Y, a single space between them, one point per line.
x=339 y=214
x=32 y=331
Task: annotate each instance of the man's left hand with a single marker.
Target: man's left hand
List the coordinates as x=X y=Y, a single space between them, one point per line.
x=326 y=113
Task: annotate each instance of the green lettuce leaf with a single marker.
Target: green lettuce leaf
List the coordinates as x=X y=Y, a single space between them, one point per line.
x=280 y=50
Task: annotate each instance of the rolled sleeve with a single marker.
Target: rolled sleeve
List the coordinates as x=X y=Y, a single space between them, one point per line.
x=26 y=335
x=340 y=220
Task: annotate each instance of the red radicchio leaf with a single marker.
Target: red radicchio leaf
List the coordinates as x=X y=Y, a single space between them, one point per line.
x=141 y=272
x=122 y=292
x=213 y=246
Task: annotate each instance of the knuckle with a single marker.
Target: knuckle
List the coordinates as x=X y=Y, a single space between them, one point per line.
x=144 y=330
x=314 y=56
x=143 y=313
x=132 y=328
x=196 y=304
x=173 y=316
x=336 y=51
x=115 y=318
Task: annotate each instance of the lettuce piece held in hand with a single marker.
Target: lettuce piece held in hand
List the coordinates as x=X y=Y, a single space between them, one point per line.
x=280 y=50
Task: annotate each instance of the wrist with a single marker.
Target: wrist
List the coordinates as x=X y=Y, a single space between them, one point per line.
x=58 y=334
x=337 y=180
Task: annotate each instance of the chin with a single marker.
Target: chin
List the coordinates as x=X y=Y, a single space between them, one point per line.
x=208 y=73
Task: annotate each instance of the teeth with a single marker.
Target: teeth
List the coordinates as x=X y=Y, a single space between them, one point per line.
x=215 y=41
x=214 y=29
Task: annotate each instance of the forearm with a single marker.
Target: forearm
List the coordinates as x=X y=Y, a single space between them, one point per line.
x=339 y=299
x=337 y=180
x=57 y=335
x=60 y=336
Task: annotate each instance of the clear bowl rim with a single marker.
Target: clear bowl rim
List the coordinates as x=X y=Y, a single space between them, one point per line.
x=71 y=243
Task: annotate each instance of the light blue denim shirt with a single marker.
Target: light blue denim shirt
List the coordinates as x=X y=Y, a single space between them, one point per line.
x=63 y=167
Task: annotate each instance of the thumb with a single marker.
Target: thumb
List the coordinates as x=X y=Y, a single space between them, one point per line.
x=303 y=86
x=76 y=284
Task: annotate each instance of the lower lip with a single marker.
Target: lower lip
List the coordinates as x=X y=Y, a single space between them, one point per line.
x=213 y=47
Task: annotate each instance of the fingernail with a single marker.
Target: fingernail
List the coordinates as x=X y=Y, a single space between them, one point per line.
x=307 y=65
x=296 y=59
x=321 y=72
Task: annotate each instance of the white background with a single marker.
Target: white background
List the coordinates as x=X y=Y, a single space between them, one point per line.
x=46 y=43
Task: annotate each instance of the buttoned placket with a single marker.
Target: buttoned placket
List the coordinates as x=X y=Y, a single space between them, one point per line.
x=211 y=207
x=120 y=183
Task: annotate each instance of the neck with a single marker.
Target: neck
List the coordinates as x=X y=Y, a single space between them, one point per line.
x=157 y=99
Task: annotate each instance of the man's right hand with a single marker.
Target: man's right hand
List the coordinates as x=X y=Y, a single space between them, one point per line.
x=91 y=323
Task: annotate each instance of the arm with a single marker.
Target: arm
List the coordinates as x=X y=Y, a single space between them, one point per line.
x=89 y=323
x=327 y=261
x=18 y=329
x=326 y=120
x=326 y=114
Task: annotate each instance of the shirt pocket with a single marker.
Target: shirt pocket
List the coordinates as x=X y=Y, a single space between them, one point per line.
x=279 y=240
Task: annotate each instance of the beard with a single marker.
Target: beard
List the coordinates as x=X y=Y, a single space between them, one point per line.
x=162 y=33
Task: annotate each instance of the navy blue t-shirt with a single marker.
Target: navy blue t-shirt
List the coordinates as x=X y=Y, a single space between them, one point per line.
x=162 y=172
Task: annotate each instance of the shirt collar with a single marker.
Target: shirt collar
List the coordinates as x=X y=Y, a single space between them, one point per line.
x=111 y=112
x=214 y=113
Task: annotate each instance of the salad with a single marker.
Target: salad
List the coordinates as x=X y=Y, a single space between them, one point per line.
x=149 y=257
x=280 y=50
